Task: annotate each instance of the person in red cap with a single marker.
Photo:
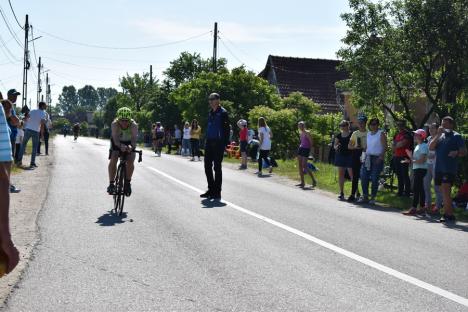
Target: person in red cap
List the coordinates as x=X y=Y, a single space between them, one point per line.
x=418 y=158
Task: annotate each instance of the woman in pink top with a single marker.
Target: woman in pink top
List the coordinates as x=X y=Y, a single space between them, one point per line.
x=303 y=154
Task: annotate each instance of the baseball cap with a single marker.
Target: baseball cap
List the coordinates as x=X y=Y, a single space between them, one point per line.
x=362 y=118
x=421 y=133
x=13 y=92
x=214 y=96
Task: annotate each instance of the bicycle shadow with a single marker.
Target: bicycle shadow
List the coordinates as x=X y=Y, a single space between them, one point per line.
x=111 y=219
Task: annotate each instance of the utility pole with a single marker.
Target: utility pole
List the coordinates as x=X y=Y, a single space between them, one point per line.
x=151 y=75
x=39 y=88
x=25 y=63
x=215 y=47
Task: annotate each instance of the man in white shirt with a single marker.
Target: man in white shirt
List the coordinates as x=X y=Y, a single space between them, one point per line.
x=37 y=118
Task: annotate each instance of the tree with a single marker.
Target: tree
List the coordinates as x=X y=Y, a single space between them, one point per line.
x=399 y=51
x=304 y=108
x=105 y=94
x=189 y=65
x=138 y=88
x=240 y=87
x=88 y=98
x=68 y=100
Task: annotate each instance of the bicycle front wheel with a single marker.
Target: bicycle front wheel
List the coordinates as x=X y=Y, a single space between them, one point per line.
x=119 y=195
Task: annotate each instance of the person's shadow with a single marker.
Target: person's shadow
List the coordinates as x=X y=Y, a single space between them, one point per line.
x=111 y=219
x=207 y=203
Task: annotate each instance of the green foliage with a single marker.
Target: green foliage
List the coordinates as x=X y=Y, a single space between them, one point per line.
x=84 y=129
x=397 y=51
x=189 y=65
x=240 y=87
x=68 y=100
x=88 y=98
x=60 y=122
x=283 y=124
x=304 y=108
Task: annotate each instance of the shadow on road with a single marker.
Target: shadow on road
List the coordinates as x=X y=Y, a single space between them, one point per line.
x=111 y=219
x=212 y=203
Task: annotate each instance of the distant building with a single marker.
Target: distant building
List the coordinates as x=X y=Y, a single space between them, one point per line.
x=314 y=78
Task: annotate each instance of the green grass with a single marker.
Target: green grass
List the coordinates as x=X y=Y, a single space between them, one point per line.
x=327 y=179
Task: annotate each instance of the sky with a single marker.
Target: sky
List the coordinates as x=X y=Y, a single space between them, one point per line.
x=249 y=31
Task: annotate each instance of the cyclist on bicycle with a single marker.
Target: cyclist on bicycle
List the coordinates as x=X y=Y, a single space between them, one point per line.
x=159 y=135
x=124 y=138
x=76 y=130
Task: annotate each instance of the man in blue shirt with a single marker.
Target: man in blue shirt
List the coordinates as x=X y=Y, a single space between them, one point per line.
x=13 y=123
x=217 y=138
x=448 y=145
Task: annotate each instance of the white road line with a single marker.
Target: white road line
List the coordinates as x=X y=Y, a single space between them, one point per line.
x=402 y=276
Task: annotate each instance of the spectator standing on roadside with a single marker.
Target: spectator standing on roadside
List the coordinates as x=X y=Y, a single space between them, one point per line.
x=401 y=142
x=37 y=118
x=195 y=131
x=159 y=135
x=45 y=136
x=177 y=137
x=186 y=140
x=303 y=154
x=431 y=159
x=448 y=145
x=357 y=144
x=13 y=123
x=217 y=138
x=418 y=159
x=243 y=142
x=343 y=158
x=19 y=140
x=264 y=135
x=9 y=255
x=374 y=156
x=168 y=138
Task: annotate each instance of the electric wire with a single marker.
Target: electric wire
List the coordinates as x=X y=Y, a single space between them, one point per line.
x=10 y=28
x=13 y=11
x=123 y=48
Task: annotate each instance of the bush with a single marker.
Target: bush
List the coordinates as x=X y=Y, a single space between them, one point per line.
x=59 y=123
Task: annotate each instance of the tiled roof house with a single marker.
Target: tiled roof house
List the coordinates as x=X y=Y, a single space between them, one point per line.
x=315 y=78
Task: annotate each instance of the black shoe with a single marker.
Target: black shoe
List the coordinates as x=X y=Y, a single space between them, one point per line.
x=341 y=197
x=351 y=198
x=447 y=219
x=33 y=165
x=207 y=194
x=128 y=189
x=14 y=189
x=111 y=189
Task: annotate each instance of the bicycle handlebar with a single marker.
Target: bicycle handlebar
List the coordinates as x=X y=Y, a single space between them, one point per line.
x=139 y=152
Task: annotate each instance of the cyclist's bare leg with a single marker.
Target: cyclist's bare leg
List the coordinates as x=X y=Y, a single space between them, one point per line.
x=130 y=165
x=112 y=169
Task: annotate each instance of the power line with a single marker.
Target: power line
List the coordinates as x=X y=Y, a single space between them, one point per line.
x=123 y=48
x=13 y=11
x=9 y=28
x=239 y=48
x=85 y=66
x=233 y=55
x=34 y=45
x=9 y=55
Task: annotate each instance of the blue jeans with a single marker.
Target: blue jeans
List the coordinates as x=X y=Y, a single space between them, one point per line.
x=373 y=175
x=29 y=134
x=186 y=150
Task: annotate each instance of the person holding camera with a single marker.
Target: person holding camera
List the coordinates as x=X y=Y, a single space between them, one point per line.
x=357 y=144
x=343 y=158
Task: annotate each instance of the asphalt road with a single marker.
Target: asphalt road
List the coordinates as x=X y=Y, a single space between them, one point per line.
x=272 y=247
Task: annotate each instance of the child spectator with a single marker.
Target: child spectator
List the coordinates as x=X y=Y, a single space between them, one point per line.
x=418 y=158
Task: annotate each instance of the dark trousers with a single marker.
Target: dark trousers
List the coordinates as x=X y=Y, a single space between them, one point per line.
x=418 y=188
x=402 y=172
x=356 y=166
x=46 y=143
x=195 y=146
x=17 y=151
x=214 y=153
x=263 y=155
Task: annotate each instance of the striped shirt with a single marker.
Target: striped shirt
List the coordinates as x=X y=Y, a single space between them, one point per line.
x=5 y=143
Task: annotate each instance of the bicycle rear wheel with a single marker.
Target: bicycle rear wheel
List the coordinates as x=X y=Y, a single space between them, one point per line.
x=119 y=195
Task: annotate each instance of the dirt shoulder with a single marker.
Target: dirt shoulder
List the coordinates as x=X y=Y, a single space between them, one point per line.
x=25 y=207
